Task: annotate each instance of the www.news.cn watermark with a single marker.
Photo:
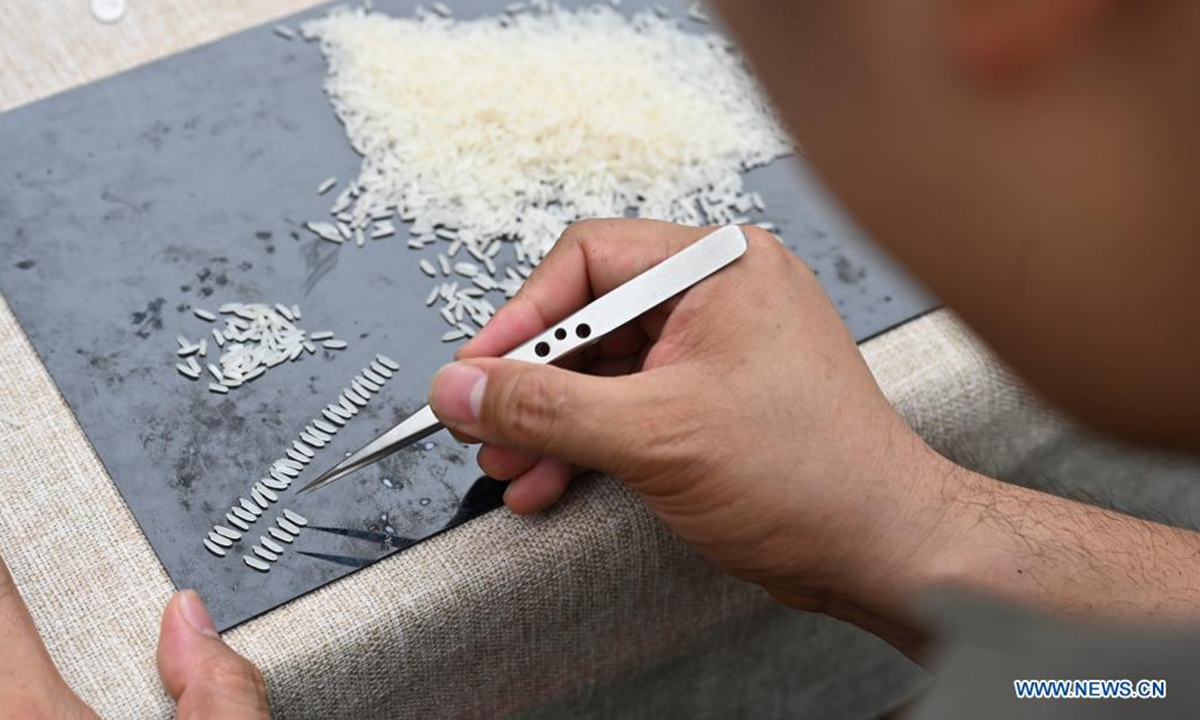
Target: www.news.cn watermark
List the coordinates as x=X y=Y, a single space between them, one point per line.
x=1093 y=689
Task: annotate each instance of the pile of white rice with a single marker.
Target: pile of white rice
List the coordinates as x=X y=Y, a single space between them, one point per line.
x=509 y=128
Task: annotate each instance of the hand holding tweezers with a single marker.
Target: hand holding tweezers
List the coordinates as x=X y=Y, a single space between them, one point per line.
x=585 y=327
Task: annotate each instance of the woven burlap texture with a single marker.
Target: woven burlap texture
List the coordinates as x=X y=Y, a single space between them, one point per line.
x=499 y=615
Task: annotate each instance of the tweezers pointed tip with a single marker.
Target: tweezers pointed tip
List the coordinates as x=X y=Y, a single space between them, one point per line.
x=325 y=478
x=311 y=486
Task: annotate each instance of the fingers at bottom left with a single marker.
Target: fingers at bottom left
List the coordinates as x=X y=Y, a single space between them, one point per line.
x=30 y=685
x=204 y=675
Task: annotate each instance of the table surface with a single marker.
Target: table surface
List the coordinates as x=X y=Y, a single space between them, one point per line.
x=203 y=166
x=594 y=569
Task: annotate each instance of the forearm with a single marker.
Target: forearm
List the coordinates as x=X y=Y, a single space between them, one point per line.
x=1063 y=555
x=979 y=534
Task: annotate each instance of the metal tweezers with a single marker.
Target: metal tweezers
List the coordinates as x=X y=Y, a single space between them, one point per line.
x=582 y=329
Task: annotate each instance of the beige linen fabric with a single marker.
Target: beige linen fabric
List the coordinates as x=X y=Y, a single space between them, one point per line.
x=501 y=615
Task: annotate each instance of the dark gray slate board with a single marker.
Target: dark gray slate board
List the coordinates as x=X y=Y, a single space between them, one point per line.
x=125 y=203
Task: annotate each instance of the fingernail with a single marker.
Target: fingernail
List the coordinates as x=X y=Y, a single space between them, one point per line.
x=457 y=392
x=196 y=615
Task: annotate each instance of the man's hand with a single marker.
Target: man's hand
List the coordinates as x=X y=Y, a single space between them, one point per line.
x=741 y=411
x=744 y=415
x=206 y=677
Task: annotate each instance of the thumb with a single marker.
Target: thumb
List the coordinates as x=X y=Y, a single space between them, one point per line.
x=204 y=675
x=543 y=410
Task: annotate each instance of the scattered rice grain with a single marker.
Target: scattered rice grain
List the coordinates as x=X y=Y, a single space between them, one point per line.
x=256 y=563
